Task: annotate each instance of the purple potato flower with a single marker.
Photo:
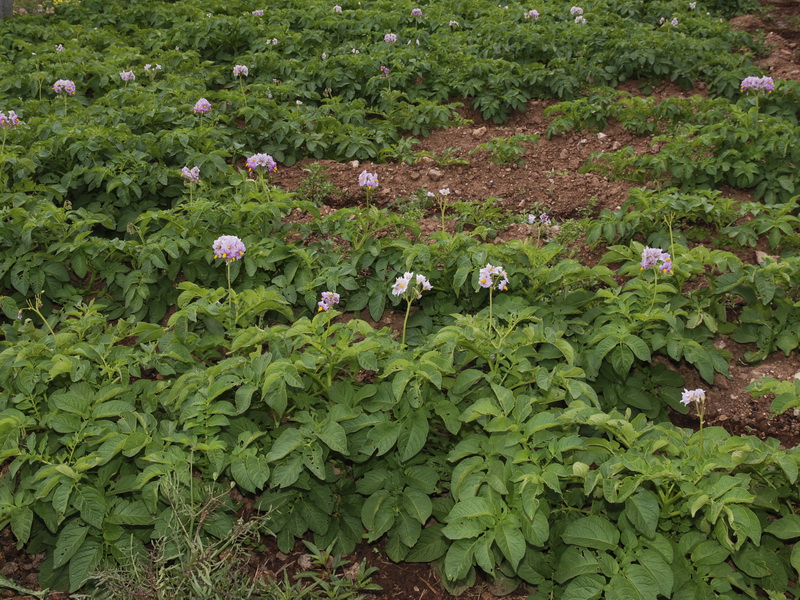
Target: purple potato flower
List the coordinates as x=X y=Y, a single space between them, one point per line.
x=261 y=160
x=401 y=284
x=329 y=300
x=127 y=76
x=385 y=70
x=64 y=85
x=390 y=38
x=229 y=247
x=423 y=282
x=490 y=273
x=202 y=106
x=689 y=396
x=240 y=71
x=191 y=175
x=576 y=10
x=416 y=12
x=368 y=180
x=258 y=13
x=758 y=84
x=651 y=257
x=337 y=8
x=532 y=14
x=10 y=120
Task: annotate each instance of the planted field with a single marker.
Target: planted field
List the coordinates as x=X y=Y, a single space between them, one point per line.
x=509 y=290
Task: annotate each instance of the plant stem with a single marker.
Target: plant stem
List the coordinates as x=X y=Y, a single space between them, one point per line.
x=701 y=411
x=230 y=297
x=405 y=321
x=491 y=321
x=655 y=290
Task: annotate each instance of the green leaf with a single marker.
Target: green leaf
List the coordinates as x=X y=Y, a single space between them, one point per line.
x=642 y=510
x=622 y=588
x=795 y=558
x=766 y=287
x=638 y=346
x=622 y=360
x=709 y=552
x=85 y=560
x=68 y=542
x=584 y=587
x=592 y=532
x=21 y=521
x=417 y=504
x=334 y=436
x=466 y=381
x=459 y=558
x=470 y=508
x=71 y=402
x=413 y=434
x=463 y=528
x=785 y=528
x=574 y=562
x=754 y=561
x=652 y=562
x=430 y=545
x=287 y=442
x=510 y=541
x=91 y=502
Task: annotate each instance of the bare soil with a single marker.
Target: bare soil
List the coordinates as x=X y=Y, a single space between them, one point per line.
x=548 y=181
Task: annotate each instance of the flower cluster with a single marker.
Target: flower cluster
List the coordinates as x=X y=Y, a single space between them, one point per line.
x=692 y=5
x=580 y=19
x=261 y=160
x=454 y=23
x=240 y=71
x=401 y=284
x=444 y=192
x=273 y=41
x=10 y=120
x=148 y=67
x=576 y=10
x=390 y=38
x=543 y=219
x=416 y=12
x=59 y=48
x=337 y=8
x=64 y=85
x=385 y=71
x=191 y=175
x=758 y=84
x=202 y=106
x=329 y=300
x=532 y=14
x=689 y=396
x=488 y=275
x=229 y=247
x=674 y=22
x=651 y=257
x=258 y=13
x=368 y=180
x=127 y=76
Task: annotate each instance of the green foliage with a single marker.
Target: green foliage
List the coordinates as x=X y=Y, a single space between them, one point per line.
x=503 y=151
x=787 y=393
x=519 y=434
